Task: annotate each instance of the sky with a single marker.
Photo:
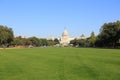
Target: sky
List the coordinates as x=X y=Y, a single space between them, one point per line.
x=48 y=18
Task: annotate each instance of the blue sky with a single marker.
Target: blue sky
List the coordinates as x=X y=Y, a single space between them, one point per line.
x=47 y=18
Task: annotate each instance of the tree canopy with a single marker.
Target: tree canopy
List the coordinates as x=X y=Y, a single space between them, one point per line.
x=6 y=35
x=109 y=34
x=92 y=39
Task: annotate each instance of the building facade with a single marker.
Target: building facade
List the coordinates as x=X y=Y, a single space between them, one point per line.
x=65 y=39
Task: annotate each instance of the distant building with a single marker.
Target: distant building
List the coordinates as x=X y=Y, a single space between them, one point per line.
x=20 y=37
x=65 y=39
x=81 y=37
x=51 y=38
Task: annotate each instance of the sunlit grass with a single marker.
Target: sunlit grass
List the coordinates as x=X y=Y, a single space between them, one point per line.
x=59 y=64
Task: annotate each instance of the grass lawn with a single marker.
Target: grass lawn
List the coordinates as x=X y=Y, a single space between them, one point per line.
x=59 y=64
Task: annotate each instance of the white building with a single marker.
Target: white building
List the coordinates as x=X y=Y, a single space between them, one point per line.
x=65 y=39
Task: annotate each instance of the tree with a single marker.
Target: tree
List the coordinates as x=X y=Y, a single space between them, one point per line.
x=92 y=39
x=43 y=42
x=18 y=41
x=6 y=35
x=34 y=41
x=109 y=34
x=56 y=41
x=50 y=42
x=75 y=42
x=78 y=42
x=82 y=42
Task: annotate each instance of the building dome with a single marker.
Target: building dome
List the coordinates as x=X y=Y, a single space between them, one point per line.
x=65 y=39
x=65 y=33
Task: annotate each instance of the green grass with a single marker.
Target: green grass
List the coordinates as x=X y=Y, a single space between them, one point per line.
x=59 y=64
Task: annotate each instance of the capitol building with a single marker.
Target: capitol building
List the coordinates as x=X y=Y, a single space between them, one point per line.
x=65 y=39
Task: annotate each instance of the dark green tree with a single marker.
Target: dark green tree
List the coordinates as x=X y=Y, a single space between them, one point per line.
x=75 y=42
x=109 y=34
x=82 y=42
x=6 y=35
x=34 y=41
x=78 y=42
x=56 y=41
x=43 y=42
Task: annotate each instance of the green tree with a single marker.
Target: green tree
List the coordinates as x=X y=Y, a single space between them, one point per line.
x=50 y=42
x=82 y=42
x=92 y=40
x=43 y=42
x=56 y=41
x=109 y=34
x=6 y=35
x=75 y=42
x=78 y=42
x=18 y=41
x=34 y=41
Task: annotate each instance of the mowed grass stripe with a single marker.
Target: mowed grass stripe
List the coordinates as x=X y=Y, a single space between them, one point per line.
x=60 y=64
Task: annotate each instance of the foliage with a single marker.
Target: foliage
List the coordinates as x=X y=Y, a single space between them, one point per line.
x=6 y=35
x=43 y=42
x=34 y=41
x=18 y=41
x=78 y=42
x=92 y=39
x=75 y=42
x=109 y=34
x=50 y=42
x=56 y=41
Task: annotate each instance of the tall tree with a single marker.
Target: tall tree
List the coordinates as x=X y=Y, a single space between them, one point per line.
x=92 y=39
x=6 y=35
x=110 y=34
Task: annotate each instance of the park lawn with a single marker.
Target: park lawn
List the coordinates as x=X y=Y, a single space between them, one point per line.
x=59 y=64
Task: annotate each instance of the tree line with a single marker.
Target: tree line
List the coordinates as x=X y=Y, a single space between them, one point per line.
x=7 y=39
x=109 y=36
x=33 y=41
